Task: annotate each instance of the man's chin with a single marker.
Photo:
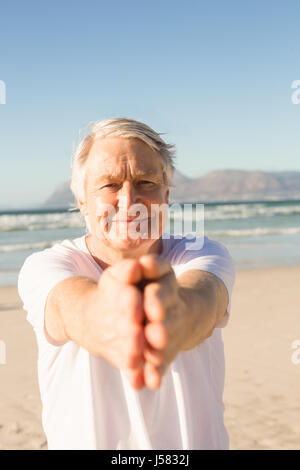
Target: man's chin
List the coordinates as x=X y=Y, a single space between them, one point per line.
x=128 y=243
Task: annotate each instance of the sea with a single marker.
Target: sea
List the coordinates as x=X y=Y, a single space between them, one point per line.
x=257 y=234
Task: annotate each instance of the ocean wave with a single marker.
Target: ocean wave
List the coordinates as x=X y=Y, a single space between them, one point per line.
x=27 y=246
x=255 y=232
x=47 y=221
x=236 y=211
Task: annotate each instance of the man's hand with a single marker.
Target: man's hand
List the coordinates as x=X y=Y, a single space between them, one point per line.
x=118 y=333
x=181 y=313
x=166 y=313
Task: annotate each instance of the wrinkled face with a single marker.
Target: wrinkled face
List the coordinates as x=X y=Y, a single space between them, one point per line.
x=124 y=193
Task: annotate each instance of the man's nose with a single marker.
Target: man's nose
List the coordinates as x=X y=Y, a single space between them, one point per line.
x=127 y=196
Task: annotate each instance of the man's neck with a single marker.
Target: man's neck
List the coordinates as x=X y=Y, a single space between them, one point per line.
x=110 y=256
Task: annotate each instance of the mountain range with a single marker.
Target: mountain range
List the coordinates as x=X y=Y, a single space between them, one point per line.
x=215 y=186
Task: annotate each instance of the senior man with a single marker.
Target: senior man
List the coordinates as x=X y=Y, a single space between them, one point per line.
x=129 y=327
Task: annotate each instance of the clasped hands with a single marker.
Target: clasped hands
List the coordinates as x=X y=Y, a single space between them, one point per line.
x=140 y=331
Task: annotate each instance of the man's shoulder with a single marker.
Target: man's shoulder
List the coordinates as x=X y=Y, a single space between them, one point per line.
x=191 y=246
x=70 y=246
x=67 y=249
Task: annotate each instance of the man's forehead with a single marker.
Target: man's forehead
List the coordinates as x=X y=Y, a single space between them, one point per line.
x=103 y=165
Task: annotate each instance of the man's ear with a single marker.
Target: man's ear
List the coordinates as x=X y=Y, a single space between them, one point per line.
x=167 y=196
x=82 y=207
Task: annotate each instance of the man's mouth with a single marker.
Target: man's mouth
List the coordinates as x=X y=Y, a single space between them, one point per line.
x=130 y=220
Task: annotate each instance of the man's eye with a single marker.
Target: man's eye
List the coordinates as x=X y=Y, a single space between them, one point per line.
x=110 y=185
x=144 y=182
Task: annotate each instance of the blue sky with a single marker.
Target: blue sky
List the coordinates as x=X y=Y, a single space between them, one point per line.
x=214 y=76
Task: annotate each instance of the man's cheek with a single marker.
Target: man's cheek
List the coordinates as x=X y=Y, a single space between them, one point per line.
x=104 y=215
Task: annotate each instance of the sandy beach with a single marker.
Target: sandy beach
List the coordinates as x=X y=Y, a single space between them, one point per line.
x=262 y=406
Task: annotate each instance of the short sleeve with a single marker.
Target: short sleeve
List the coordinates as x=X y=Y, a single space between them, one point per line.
x=40 y=272
x=212 y=257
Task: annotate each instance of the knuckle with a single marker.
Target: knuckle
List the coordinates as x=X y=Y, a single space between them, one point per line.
x=154 y=356
x=129 y=264
x=154 y=288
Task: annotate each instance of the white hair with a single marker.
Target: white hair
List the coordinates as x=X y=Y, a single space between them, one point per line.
x=125 y=128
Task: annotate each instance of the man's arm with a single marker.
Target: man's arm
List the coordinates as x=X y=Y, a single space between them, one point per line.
x=206 y=300
x=66 y=307
x=181 y=312
x=106 y=318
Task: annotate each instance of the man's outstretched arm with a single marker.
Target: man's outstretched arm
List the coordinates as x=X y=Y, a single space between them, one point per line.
x=106 y=318
x=206 y=299
x=181 y=313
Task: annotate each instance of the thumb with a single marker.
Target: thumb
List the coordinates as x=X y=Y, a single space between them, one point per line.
x=128 y=271
x=154 y=266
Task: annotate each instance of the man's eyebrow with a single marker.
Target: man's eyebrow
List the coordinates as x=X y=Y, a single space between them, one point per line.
x=147 y=174
x=106 y=176
x=137 y=174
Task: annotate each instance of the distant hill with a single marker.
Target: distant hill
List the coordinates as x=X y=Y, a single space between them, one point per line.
x=62 y=197
x=215 y=186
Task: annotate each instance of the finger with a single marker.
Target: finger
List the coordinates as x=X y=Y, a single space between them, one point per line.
x=134 y=348
x=152 y=378
x=133 y=361
x=154 y=356
x=128 y=271
x=156 y=335
x=136 y=377
x=154 y=307
x=154 y=266
x=158 y=296
x=131 y=303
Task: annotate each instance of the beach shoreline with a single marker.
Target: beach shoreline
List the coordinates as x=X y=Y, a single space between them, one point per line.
x=261 y=397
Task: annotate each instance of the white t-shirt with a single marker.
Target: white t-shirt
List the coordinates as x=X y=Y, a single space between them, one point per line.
x=89 y=404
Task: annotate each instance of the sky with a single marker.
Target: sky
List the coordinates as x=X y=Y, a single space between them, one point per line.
x=214 y=77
